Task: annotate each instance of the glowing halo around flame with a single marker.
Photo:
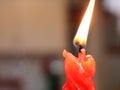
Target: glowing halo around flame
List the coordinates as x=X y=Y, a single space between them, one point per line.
x=82 y=33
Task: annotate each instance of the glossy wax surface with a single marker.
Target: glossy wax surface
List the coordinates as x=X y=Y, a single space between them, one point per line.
x=79 y=71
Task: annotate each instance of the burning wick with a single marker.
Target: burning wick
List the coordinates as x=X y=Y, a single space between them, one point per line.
x=78 y=47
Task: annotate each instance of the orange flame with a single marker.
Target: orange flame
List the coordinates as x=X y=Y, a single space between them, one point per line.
x=82 y=33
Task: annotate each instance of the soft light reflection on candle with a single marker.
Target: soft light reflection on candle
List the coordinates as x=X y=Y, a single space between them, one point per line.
x=82 y=33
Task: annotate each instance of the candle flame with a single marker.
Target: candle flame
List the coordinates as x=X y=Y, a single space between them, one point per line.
x=82 y=33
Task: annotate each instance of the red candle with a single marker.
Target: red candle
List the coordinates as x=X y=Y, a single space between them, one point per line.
x=80 y=70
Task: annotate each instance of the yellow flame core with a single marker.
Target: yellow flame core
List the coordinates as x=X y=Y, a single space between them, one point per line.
x=82 y=33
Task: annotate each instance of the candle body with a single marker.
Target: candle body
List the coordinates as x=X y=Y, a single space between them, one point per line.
x=79 y=71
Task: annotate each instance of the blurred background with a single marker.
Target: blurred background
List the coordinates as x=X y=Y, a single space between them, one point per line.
x=33 y=34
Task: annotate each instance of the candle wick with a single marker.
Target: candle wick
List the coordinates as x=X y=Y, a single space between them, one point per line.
x=80 y=47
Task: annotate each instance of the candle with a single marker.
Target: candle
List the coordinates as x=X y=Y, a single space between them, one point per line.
x=80 y=70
